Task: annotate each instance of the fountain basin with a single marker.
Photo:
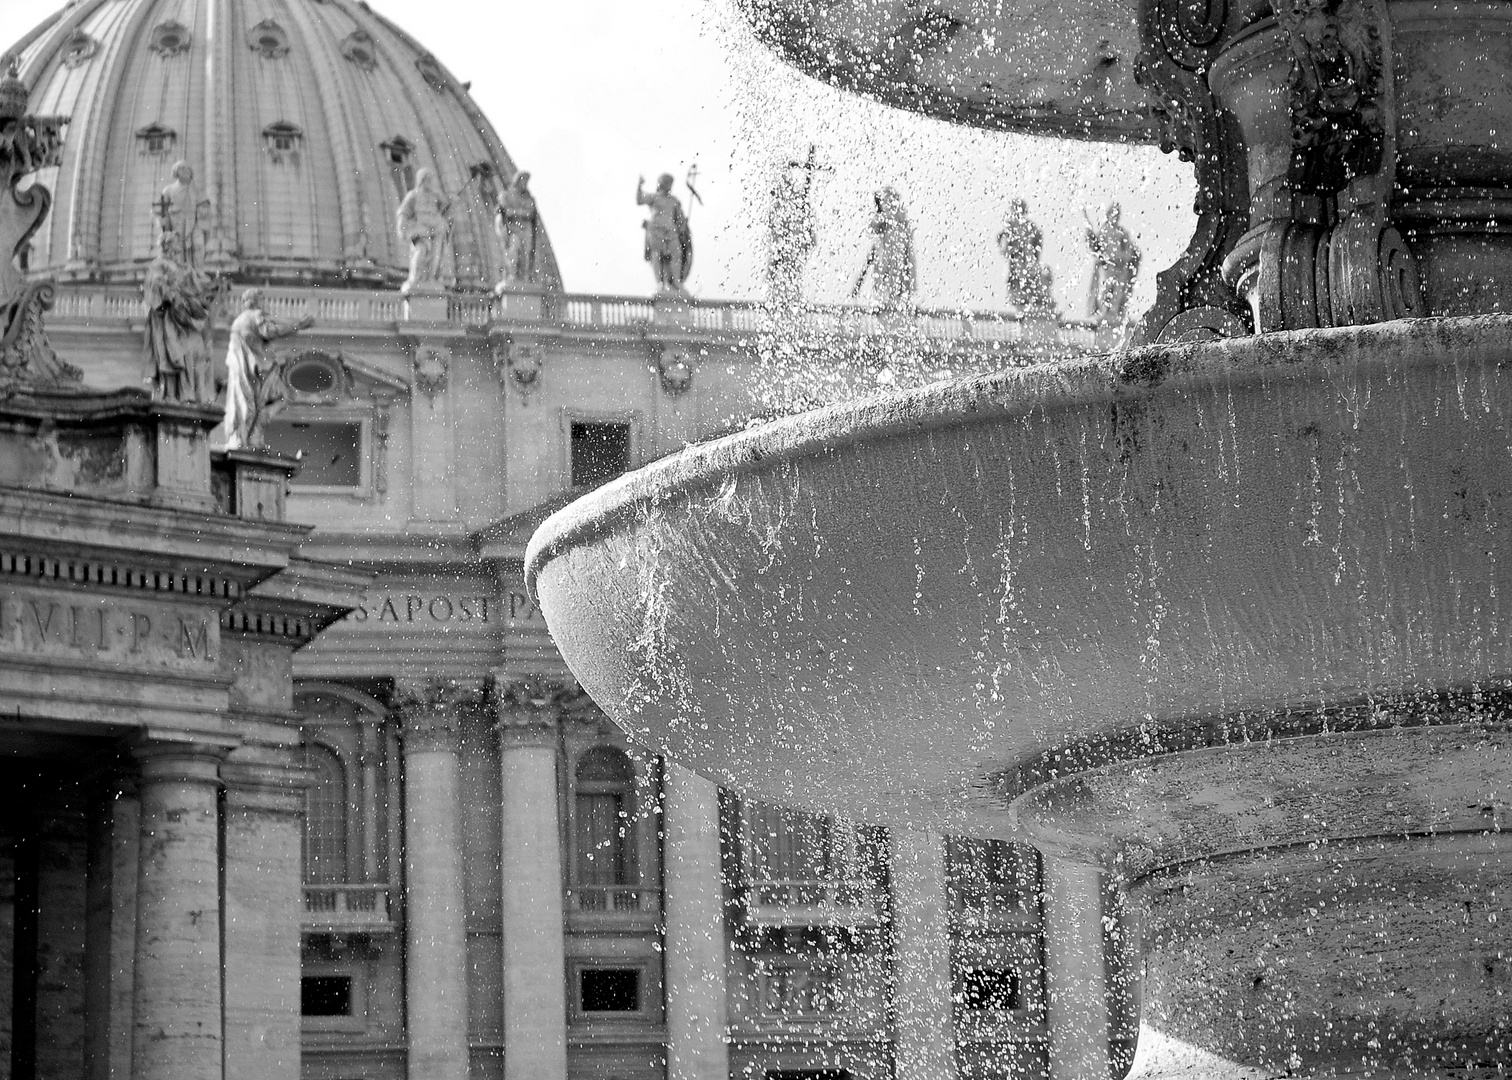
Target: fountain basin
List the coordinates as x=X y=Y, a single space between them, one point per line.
x=1190 y=615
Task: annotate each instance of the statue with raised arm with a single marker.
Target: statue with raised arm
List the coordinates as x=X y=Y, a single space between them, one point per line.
x=254 y=387
x=1115 y=262
x=1021 y=244
x=669 y=241
x=890 y=261
x=424 y=221
x=518 y=224
x=180 y=209
x=179 y=300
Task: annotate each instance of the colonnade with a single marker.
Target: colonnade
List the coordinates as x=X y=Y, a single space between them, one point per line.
x=1083 y=1012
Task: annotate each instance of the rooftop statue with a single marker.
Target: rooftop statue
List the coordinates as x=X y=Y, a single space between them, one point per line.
x=1115 y=262
x=425 y=222
x=669 y=240
x=790 y=231
x=518 y=224
x=1029 y=279
x=180 y=209
x=27 y=143
x=254 y=387
x=180 y=299
x=891 y=258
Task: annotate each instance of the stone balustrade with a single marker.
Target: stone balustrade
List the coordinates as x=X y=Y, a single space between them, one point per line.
x=814 y=902
x=338 y=908
x=360 y=308
x=613 y=899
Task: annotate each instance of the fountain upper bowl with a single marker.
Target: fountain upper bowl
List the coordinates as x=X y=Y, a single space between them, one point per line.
x=888 y=607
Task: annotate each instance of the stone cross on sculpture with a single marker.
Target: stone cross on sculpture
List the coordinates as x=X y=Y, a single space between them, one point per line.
x=27 y=143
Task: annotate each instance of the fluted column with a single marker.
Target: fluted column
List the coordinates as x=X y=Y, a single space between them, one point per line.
x=176 y=1033
x=264 y=808
x=1081 y=1010
x=434 y=912
x=694 y=912
x=535 y=961
x=921 y=937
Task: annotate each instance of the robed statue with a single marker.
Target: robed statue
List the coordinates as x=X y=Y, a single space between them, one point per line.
x=790 y=232
x=1115 y=262
x=669 y=240
x=1021 y=244
x=424 y=222
x=518 y=223
x=254 y=385
x=179 y=300
x=890 y=260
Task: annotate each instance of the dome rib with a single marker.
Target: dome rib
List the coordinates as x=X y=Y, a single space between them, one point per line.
x=313 y=207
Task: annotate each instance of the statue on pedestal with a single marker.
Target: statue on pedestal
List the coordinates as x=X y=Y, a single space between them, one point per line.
x=891 y=258
x=254 y=386
x=182 y=211
x=179 y=300
x=1115 y=262
x=27 y=143
x=424 y=221
x=790 y=231
x=518 y=224
x=669 y=240
x=1029 y=279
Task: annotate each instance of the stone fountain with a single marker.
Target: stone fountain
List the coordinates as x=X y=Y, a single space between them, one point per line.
x=1221 y=623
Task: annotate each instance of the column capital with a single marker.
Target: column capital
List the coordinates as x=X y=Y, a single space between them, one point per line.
x=530 y=707
x=429 y=711
x=188 y=760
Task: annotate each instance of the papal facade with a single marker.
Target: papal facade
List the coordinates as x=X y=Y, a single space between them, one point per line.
x=492 y=881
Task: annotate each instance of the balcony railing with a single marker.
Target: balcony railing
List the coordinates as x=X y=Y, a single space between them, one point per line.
x=346 y=908
x=733 y=318
x=814 y=903
x=613 y=900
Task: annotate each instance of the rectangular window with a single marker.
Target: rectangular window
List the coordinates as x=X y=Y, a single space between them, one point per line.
x=600 y=451
x=992 y=875
x=330 y=452
x=990 y=990
x=610 y=989
x=789 y=845
x=325 y=995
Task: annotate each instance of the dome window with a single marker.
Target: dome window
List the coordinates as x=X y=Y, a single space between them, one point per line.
x=360 y=48
x=431 y=72
x=282 y=141
x=169 y=39
x=155 y=140
x=399 y=152
x=269 y=39
x=79 y=49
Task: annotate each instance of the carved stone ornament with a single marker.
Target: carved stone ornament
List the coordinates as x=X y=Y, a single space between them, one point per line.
x=432 y=367
x=522 y=361
x=27 y=143
x=1334 y=90
x=529 y=708
x=269 y=40
x=79 y=49
x=169 y=39
x=359 y=48
x=317 y=378
x=674 y=366
x=430 y=711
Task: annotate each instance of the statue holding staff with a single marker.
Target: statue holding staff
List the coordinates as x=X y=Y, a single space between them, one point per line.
x=254 y=387
x=518 y=223
x=669 y=240
x=890 y=261
x=181 y=210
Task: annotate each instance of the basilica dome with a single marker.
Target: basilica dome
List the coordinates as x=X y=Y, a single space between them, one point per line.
x=304 y=121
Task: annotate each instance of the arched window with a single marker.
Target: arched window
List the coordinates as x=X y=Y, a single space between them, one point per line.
x=605 y=792
x=325 y=830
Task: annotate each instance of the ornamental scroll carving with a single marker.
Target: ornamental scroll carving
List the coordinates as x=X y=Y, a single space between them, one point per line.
x=530 y=708
x=1334 y=91
x=430 y=711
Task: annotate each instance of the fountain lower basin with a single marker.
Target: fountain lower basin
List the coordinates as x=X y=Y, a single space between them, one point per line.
x=1186 y=606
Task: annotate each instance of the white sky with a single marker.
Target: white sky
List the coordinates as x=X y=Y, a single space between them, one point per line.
x=590 y=94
